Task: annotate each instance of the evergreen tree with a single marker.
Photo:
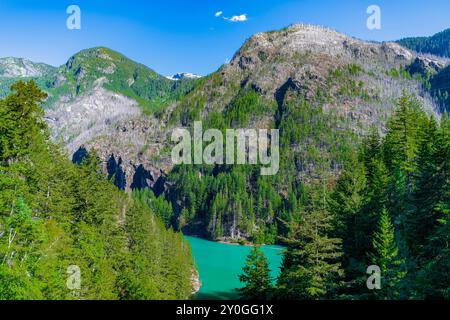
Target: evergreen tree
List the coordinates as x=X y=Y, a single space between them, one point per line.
x=433 y=279
x=256 y=276
x=401 y=143
x=54 y=214
x=311 y=267
x=420 y=220
x=386 y=257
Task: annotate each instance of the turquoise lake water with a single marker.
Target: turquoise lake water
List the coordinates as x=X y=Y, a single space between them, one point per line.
x=220 y=264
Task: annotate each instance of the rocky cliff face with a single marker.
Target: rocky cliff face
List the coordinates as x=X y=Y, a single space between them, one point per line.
x=101 y=100
x=426 y=66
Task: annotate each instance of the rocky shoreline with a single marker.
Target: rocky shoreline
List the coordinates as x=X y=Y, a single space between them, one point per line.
x=195 y=279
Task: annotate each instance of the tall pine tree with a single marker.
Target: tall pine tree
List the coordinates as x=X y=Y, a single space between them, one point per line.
x=256 y=276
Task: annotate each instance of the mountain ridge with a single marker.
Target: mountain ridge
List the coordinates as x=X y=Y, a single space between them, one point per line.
x=437 y=44
x=12 y=67
x=103 y=100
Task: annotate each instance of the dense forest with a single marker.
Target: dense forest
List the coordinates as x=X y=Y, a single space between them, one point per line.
x=437 y=44
x=339 y=204
x=234 y=202
x=390 y=208
x=57 y=217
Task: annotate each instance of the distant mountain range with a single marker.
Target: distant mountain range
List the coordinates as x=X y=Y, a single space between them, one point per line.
x=101 y=99
x=18 y=67
x=184 y=75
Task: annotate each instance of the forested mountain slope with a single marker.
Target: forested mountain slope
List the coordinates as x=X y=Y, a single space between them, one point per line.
x=102 y=99
x=58 y=219
x=438 y=44
x=323 y=90
x=387 y=214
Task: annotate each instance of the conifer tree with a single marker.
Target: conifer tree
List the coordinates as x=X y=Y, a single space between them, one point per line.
x=311 y=267
x=386 y=257
x=256 y=276
x=401 y=142
x=420 y=220
x=55 y=214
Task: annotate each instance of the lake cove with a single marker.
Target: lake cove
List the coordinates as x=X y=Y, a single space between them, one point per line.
x=220 y=264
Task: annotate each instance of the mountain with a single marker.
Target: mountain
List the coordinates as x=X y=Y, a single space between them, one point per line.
x=359 y=146
x=22 y=68
x=14 y=69
x=101 y=99
x=438 y=77
x=117 y=74
x=184 y=75
x=322 y=89
x=359 y=79
x=438 y=44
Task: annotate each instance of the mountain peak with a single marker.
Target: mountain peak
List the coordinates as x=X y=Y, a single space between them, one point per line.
x=101 y=53
x=98 y=56
x=114 y=70
x=184 y=75
x=313 y=39
x=304 y=54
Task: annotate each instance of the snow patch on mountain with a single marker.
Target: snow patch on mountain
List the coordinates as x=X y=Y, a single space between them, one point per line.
x=183 y=75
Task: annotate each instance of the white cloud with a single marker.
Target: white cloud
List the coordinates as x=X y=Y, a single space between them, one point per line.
x=218 y=13
x=240 y=18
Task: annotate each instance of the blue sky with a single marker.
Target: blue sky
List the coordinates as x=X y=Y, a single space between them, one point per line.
x=186 y=36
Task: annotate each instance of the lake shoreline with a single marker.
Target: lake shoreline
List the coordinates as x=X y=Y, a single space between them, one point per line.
x=233 y=243
x=219 y=265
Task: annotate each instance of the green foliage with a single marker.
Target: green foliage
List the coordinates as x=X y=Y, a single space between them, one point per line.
x=344 y=81
x=21 y=120
x=337 y=204
x=399 y=73
x=217 y=200
x=245 y=106
x=307 y=273
x=437 y=44
x=256 y=276
x=386 y=257
x=161 y=207
x=329 y=202
x=404 y=178
x=311 y=267
x=54 y=214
